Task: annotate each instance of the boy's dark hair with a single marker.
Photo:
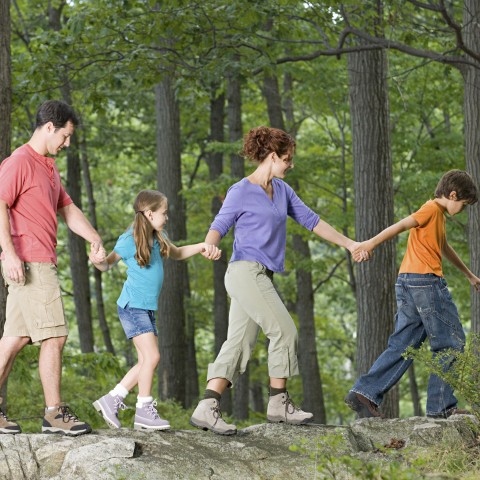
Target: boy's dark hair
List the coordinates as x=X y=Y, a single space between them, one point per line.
x=460 y=182
x=57 y=112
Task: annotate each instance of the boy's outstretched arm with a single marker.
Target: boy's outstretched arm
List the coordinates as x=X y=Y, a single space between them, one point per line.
x=451 y=255
x=392 y=231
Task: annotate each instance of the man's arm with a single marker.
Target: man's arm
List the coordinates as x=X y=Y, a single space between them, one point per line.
x=79 y=224
x=12 y=264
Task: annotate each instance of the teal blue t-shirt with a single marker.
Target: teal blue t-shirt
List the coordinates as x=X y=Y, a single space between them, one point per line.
x=143 y=284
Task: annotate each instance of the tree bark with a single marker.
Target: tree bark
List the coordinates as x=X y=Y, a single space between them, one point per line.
x=215 y=167
x=5 y=137
x=241 y=397
x=471 y=107
x=416 y=401
x=234 y=120
x=373 y=182
x=171 y=311
x=76 y=244
x=5 y=113
x=102 y=320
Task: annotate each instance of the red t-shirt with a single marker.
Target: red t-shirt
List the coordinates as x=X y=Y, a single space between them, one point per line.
x=30 y=185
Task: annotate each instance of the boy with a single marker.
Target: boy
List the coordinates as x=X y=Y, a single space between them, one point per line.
x=425 y=307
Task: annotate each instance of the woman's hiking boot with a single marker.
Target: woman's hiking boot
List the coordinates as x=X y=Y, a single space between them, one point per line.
x=208 y=416
x=282 y=410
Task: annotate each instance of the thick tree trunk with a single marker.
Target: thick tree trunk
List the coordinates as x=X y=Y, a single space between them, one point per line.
x=171 y=311
x=102 y=320
x=76 y=244
x=416 y=401
x=5 y=137
x=78 y=256
x=220 y=299
x=241 y=397
x=374 y=207
x=471 y=106
x=5 y=113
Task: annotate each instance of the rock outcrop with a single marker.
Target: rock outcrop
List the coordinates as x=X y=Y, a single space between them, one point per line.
x=264 y=451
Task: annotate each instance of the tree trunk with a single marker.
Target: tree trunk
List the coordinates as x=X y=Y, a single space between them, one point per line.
x=374 y=207
x=241 y=397
x=416 y=401
x=5 y=113
x=220 y=299
x=102 y=320
x=471 y=106
x=171 y=311
x=5 y=137
x=234 y=119
x=313 y=399
x=76 y=244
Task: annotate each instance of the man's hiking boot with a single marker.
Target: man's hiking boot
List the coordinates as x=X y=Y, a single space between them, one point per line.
x=147 y=418
x=364 y=407
x=7 y=426
x=208 y=416
x=282 y=410
x=108 y=407
x=449 y=412
x=63 y=420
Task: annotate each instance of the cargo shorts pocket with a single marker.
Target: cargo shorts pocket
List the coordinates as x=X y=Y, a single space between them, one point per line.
x=46 y=307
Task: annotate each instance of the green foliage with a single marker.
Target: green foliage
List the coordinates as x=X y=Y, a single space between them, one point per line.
x=461 y=370
x=334 y=462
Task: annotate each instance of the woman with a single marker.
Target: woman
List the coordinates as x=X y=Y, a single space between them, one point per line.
x=258 y=206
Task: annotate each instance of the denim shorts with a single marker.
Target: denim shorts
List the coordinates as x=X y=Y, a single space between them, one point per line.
x=136 y=321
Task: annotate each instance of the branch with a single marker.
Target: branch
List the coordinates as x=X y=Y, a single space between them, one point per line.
x=329 y=276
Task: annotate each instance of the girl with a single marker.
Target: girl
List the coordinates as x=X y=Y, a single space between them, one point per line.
x=142 y=248
x=258 y=206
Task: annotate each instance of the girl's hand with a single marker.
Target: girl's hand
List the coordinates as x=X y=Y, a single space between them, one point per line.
x=212 y=252
x=97 y=253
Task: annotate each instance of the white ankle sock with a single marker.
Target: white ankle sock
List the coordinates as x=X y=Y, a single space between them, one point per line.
x=141 y=401
x=119 y=390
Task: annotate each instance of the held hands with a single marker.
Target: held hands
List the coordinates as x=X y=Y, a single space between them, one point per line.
x=361 y=251
x=211 y=252
x=97 y=253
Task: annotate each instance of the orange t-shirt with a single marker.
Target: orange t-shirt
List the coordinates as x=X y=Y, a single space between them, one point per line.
x=425 y=242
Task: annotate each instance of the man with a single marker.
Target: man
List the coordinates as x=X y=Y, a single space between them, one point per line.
x=31 y=195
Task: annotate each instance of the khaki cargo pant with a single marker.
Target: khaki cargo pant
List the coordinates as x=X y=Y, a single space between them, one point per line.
x=255 y=304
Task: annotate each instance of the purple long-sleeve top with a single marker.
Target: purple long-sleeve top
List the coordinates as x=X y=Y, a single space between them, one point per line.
x=261 y=223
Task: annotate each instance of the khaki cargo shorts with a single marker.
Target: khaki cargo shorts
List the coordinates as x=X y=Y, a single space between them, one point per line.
x=35 y=309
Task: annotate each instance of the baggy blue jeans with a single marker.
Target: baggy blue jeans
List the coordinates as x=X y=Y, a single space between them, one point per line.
x=424 y=309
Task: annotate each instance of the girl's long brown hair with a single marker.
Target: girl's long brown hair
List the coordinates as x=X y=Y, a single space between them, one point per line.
x=142 y=228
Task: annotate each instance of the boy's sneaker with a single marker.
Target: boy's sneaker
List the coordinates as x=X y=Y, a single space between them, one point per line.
x=208 y=416
x=364 y=407
x=63 y=420
x=147 y=418
x=108 y=407
x=7 y=426
x=448 y=413
x=282 y=410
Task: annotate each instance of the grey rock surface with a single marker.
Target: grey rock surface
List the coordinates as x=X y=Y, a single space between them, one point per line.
x=266 y=451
